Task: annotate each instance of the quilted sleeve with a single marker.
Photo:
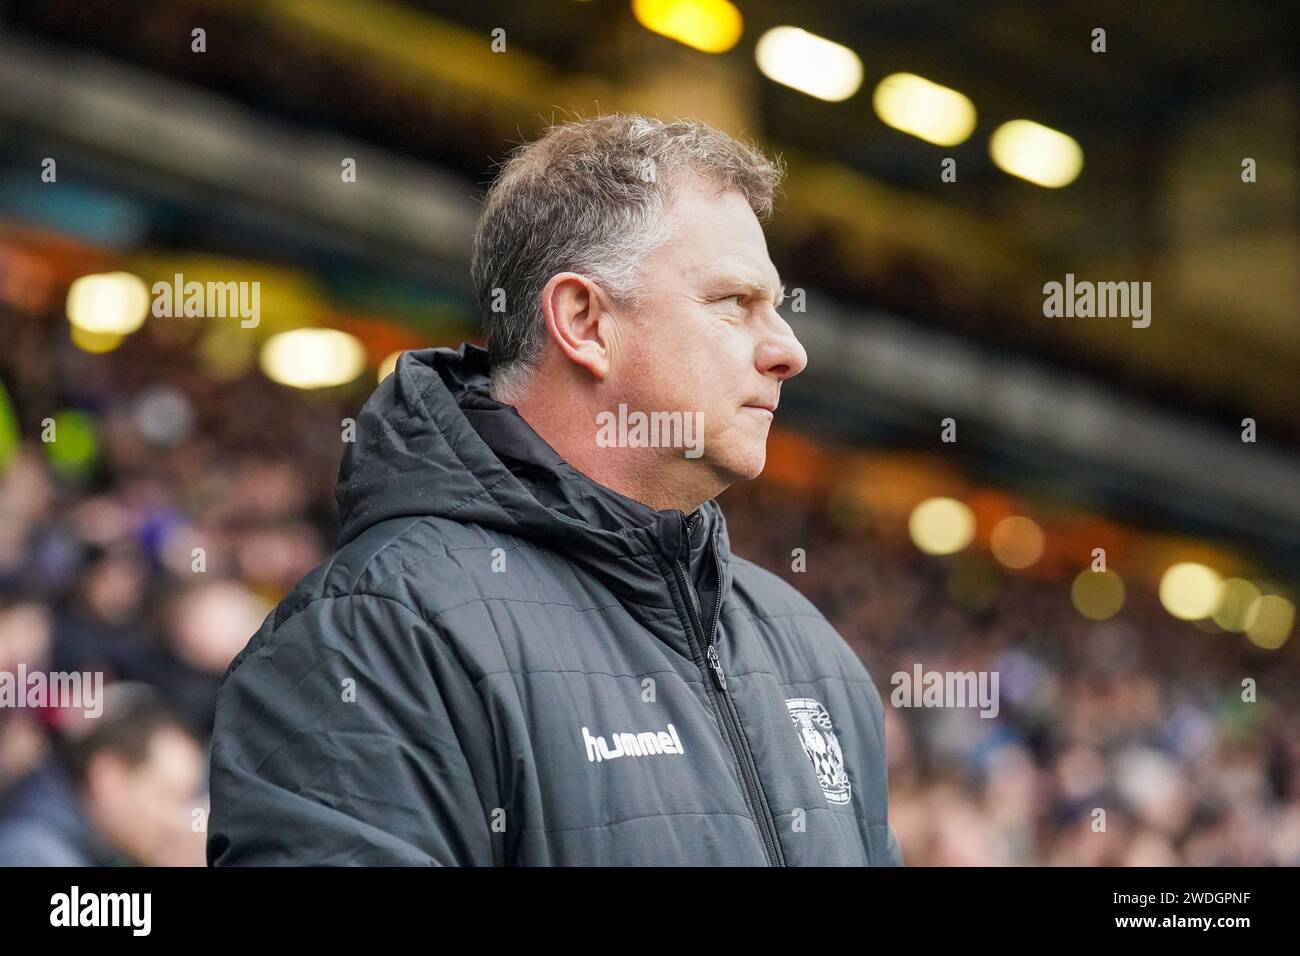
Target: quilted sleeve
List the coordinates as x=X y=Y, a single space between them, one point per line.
x=350 y=735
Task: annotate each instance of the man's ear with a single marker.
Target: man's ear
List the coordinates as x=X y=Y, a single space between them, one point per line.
x=578 y=322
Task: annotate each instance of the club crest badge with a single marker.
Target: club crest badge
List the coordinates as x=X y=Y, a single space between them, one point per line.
x=812 y=723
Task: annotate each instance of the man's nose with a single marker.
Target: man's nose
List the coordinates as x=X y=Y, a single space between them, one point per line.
x=780 y=353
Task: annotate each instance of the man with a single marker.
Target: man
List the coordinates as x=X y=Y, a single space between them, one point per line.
x=534 y=645
x=123 y=793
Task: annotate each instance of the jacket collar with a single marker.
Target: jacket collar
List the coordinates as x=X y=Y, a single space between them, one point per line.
x=431 y=441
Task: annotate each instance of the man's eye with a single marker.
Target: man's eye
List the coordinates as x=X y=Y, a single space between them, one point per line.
x=738 y=298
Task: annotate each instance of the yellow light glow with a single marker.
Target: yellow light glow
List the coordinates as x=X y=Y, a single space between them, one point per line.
x=1097 y=595
x=809 y=63
x=1269 y=621
x=711 y=26
x=96 y=343
x=1235 y=598
x=312 y=358
x=1043 y=156
x=1190 y=591
x=389 y=364
x=227 y=351
x=1017 y=541
x=941 y=526
x=114 y=303
x=924 y=109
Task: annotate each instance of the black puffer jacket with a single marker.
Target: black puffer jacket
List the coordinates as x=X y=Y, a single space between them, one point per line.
x=507 y=663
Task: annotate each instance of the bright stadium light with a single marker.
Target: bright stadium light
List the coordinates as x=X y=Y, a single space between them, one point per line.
x=941 y=526
x=1037 y=153
x=710 y=26
x=1190 y=591
x=924 y=109
x=313 y=358
x=809 y=63
x=112 y=303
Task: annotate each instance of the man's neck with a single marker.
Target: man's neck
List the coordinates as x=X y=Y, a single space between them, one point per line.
x=648 y=475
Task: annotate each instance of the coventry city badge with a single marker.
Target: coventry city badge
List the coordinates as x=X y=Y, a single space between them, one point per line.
x=813 y=724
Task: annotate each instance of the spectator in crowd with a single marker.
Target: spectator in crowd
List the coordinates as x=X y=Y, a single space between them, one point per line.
x=124 y=789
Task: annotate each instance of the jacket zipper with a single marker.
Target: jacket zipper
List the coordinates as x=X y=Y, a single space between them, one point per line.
x=720 y=696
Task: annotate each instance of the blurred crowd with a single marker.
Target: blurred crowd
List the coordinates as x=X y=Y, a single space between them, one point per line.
x=153 y=557
x=1124 y=742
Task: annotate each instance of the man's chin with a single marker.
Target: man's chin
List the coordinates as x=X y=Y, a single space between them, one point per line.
x=746 y=468
x=737 y=465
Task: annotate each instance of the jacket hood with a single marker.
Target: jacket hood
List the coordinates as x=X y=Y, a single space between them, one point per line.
x=431 y=441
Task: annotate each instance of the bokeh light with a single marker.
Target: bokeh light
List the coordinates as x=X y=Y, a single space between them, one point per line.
x=75 y=445
x=1235 y=598
x=711 y=26
x=1190 y=591
x=115 y=303
x=313 y=358
x=925 y=109
x=1097 y=595
x=1017 y=542
x=96 y=343
x=1269 y=621
x=941 y=526
x=808 y=63
x=389 y=364
x=1031 y=151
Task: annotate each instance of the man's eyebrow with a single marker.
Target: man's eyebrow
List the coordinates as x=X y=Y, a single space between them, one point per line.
x=754 y=287
x=760 y=288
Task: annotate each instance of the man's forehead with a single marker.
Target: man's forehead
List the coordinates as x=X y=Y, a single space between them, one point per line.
x=717 y=240
x=722 y=222
x=742 y=272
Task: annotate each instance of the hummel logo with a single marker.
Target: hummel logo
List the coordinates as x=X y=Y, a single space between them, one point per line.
x=645 y=744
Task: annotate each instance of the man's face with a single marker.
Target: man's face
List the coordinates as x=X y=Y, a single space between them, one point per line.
x=708 y=337
x=145 y=810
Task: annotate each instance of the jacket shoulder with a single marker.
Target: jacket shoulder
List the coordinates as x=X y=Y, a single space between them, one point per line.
x=769 y=595
x=413 y=567
x=799 y=634
x=419 y=562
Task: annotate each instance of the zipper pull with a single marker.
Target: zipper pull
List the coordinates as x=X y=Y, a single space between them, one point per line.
x=715 y=664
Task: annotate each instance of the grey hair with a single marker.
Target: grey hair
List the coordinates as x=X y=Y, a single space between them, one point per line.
x=589 y=197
